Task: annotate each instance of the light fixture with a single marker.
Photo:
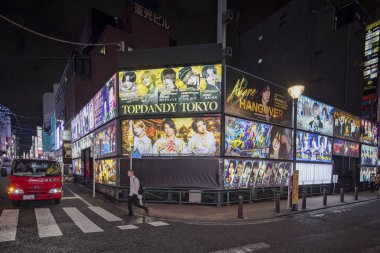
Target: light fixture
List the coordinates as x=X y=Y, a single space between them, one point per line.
x=296 y=91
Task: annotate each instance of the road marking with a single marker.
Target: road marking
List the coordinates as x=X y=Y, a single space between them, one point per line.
x=127 y=227
x=158 y=223
x=318 y=215
x=244 y=249
x=8 y=225
x=336 y=211
x=79 y=197
x=85 y=224
x=104 y=214
x=46 y=224
x=63 y=198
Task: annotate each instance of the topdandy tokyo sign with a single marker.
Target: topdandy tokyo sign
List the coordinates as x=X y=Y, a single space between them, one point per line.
x=186 y=89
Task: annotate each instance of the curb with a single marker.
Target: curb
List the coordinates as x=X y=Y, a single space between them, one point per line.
x=244 y=221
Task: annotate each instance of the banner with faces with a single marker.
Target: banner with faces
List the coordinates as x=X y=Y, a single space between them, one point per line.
x=242 y=174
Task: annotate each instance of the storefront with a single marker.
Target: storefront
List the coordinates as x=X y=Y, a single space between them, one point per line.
x=192 y=135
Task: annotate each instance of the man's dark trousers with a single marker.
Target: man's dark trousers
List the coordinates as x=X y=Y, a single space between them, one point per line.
x=135 y=200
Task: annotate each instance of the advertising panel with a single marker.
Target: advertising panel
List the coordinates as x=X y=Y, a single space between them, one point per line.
x=105 y=103
x=368 y=155
x=105 y=141
x=345 y=148
x=368 y=132
x=371 y=57
x=58 y=141
x=77 y=167
x=106 y=171
x=79 y=145
x=313 y=147
x=257 y=140
x=186 y=89
x=251 y=97
x=366 y=172
x=241 y=174
x=172 y=136
x=315 y=116
x=346 y=126
x=313 y=173
x=83 y=123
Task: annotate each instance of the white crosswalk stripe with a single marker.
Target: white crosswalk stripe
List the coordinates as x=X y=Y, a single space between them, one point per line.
x=127 y=227
x=47 y=227
x=245 y=249
x=8 y=225
x=84 y=223
x=158 y=223
x=104 y=214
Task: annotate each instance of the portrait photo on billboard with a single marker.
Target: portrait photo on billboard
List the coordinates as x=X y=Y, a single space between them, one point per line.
x=314 y=116
x=345 y=148
x=313 y=147
x=106 y=171
x=368 y=155
x=250 y=97
x=77 y=167
x=172 y=136
x=243 y=174
x=346 y=126
x=185 y=89
x=82 y=143
x=83 y=122
x=105 y=141
x=105 y=102
x=248 y=138
x=366 y=172
x=368 y=132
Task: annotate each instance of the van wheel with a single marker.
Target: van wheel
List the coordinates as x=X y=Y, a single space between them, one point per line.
x=16 y=202
x=57 y=201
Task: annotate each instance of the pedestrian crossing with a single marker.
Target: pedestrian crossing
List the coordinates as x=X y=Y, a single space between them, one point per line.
x=47 y=225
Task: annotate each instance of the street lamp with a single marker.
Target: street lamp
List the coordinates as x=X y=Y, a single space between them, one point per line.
x=295 y=92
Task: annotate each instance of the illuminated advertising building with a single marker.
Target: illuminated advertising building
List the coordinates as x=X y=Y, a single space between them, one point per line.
x=202 y=125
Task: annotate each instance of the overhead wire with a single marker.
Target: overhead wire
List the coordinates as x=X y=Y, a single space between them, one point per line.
x=56 y=39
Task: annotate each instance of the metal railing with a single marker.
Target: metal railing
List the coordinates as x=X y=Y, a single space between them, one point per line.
x=221 y=197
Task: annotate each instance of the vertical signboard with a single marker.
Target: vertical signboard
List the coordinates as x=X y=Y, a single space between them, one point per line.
x=295 y=187
x=370 y=71
x=371 y=56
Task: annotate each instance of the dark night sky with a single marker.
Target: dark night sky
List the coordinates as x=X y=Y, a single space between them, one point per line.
x=31 y=64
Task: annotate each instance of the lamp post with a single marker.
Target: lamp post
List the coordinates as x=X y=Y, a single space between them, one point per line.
x=295 y=92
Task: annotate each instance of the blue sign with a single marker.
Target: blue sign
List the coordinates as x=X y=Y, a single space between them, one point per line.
x=136 y=154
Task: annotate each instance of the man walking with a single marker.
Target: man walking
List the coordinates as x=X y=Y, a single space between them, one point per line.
x=133 y=193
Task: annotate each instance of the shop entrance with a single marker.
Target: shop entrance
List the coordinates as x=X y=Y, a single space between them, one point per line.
x=347 y=170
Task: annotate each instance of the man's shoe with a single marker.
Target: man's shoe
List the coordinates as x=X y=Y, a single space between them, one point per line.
x=130 y=214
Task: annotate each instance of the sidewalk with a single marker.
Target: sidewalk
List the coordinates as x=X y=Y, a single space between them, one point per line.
x=251 y=211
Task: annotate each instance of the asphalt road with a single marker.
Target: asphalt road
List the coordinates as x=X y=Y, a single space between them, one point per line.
x=74 y=226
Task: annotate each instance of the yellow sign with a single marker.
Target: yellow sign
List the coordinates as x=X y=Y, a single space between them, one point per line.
x=295 y=187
